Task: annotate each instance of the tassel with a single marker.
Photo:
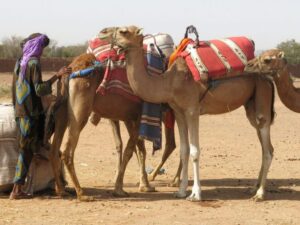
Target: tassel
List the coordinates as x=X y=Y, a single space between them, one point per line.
x=102 y=86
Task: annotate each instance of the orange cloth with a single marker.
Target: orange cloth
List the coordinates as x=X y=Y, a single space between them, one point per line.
x=184 y=42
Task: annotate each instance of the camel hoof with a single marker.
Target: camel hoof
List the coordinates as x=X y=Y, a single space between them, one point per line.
x=179 y=194
x=146 y=189
x=120 y=193
x=84 y=198
x=194 y=198
x=258 y=198
x=253 y=190
x=174 y=183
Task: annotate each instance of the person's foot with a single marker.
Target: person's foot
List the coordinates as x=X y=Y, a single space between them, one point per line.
x=19 y=195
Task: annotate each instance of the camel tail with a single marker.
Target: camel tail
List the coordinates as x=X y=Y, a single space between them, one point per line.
x=55 y=108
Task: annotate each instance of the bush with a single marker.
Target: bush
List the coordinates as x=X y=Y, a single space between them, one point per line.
x=292 y=51
x=10 y=48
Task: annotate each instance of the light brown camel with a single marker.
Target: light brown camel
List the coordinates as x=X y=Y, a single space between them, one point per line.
x=177 y=88
x=81 y=101
x=272 y=62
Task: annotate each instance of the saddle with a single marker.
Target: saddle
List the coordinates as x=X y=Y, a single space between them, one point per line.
x=214 y=59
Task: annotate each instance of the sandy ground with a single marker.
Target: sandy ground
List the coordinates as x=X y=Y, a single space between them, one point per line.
x=229 y=165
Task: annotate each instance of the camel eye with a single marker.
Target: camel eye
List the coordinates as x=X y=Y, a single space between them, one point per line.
x=267 y=60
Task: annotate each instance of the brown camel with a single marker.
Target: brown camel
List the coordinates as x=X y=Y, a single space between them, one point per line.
x=177 y=88
x=81 y=101
x=272 y=62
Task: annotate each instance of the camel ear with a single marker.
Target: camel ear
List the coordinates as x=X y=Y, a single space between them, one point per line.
x=281 y=54
x=103 y=31
x=140 y=31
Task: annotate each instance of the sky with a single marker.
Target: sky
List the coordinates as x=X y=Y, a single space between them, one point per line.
x=267 y=22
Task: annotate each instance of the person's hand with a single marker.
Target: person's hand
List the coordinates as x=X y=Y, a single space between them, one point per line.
x=64 y=70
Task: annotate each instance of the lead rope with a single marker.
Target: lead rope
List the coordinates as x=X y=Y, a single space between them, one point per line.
x=109 y=65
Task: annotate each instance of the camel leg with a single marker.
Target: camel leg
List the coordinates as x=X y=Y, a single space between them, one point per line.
x=176 y=180
x=74 y=129
x=128 y=152
x=60 y=128
x=144 y=183
x=79 y=108
x=267 y=155
x=193 y=128
x=264 y=106
x=115 y=125
x=169 y=148
x=259 y=115
x=184 y=152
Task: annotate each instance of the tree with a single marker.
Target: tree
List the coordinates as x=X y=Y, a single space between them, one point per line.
x=291 y=49
x=11 y=47
x=64 y=51
x=50 y=51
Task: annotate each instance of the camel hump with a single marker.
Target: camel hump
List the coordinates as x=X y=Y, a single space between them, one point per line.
x=83 y=61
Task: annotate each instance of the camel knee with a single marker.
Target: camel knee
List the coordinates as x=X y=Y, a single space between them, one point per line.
x=184 y=156
x=170 y=146
x=128 y=152
x=119 y=147
x=269 y=155
x=194 y=152
x=260 y=120
x=66 y=159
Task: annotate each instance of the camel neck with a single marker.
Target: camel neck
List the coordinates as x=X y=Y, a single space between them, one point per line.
x=150 y=88
x=288 y=94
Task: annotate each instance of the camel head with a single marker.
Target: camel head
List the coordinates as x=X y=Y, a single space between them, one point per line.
x=269 y=62
x=129 y=37
x=107 y=33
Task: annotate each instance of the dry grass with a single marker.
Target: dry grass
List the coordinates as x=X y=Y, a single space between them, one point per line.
x=5 y=91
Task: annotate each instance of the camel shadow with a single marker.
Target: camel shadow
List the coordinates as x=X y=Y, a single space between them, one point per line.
x=212 y=190
x=237 y=189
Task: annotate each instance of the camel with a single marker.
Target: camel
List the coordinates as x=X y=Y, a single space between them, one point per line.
x=189 y=99
x=272 y=62
x=82 y=100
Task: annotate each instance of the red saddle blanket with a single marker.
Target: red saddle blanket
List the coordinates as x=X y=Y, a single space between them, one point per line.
x=116 y=81
x=218 y=58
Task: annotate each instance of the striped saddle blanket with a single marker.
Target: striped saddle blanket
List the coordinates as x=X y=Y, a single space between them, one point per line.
x=117 y=82
x=218 y=58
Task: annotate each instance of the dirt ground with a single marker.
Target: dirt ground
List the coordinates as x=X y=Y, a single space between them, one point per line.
x=229 y=166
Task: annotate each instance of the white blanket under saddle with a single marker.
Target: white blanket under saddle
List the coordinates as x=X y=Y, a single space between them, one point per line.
x=40 y=174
